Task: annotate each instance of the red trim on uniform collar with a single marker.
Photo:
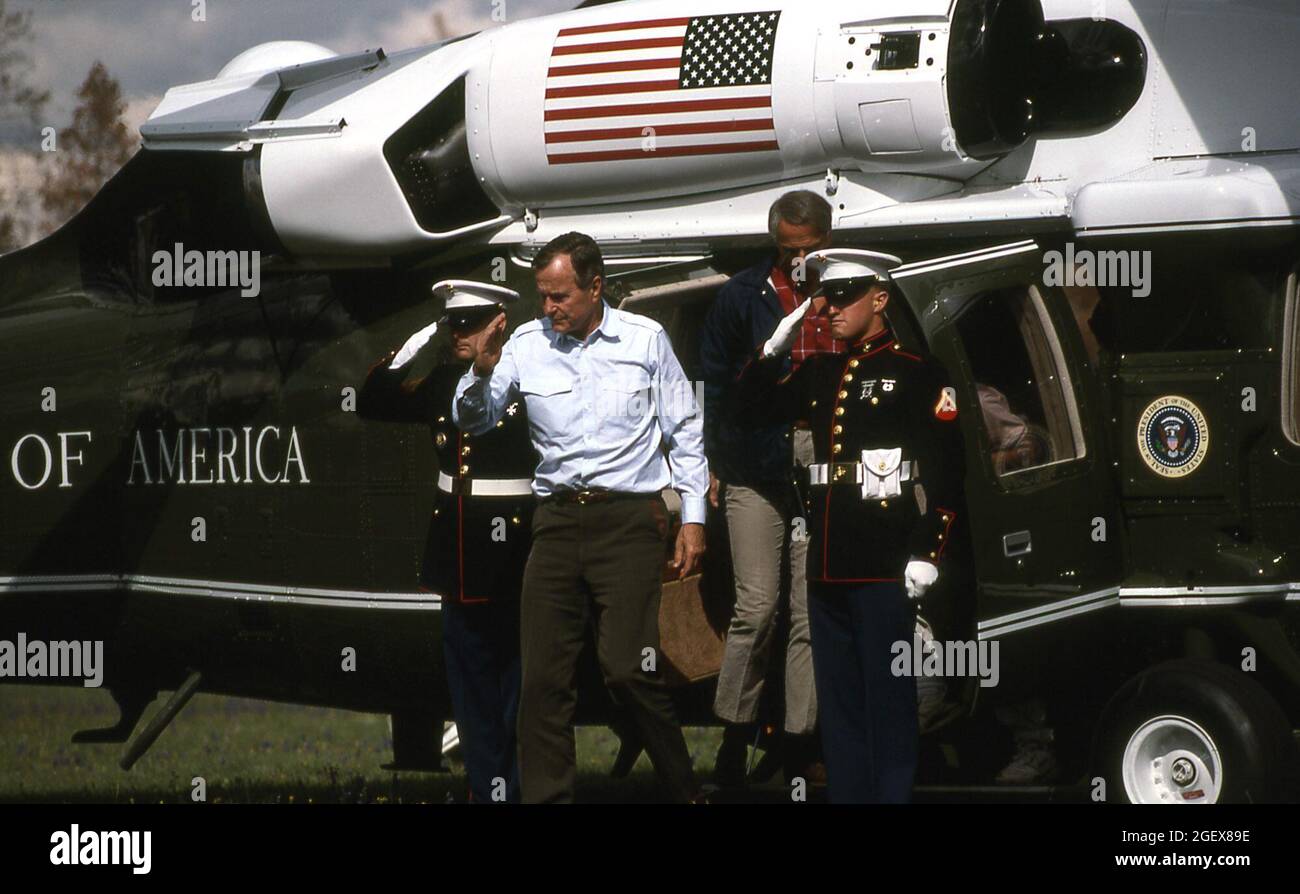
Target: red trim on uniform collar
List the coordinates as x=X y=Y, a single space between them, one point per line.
x=881 y=339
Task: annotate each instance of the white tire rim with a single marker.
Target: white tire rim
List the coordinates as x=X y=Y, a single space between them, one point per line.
x=1172 y=760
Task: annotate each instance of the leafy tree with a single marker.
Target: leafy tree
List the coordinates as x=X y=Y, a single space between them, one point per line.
x=91 y=150
x=18 y=98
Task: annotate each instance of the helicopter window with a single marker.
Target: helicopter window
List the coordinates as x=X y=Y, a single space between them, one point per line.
x=1290 y=366
x=1026 y=400
x=1196 y=294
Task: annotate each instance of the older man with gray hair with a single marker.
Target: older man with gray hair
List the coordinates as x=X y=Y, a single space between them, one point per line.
x=751 y=479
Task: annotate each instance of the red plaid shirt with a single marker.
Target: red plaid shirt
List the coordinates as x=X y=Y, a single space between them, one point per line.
x=815 y=337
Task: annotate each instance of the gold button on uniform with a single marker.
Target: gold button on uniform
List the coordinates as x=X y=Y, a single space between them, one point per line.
x=835 y=448
x=884 y=504
x=464 y=451
x=839 y=411
x=875 y=400
x=839 y=429
x=848 y=377
x=464 y=469
x=853 y=364
x=843 y=394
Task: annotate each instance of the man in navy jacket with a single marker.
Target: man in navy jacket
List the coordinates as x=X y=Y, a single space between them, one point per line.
x=751 y=478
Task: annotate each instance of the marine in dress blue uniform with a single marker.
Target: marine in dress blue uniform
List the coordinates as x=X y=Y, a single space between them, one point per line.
x=884 y=497
x=478 y=539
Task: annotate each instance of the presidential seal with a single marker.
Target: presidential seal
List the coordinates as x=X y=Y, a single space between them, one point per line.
x=1172 y=436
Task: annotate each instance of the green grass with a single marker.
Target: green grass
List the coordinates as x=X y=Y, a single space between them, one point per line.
x=253 y=751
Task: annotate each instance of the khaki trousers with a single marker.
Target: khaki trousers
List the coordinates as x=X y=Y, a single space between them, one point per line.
x=764 y=531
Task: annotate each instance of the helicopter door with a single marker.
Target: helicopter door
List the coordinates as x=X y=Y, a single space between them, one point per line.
x=1042 y=503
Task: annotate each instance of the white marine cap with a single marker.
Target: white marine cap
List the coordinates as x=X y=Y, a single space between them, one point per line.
x=849 y=267
x=465 y=297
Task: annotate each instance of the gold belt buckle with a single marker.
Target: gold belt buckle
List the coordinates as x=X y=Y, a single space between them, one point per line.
x=840 y=471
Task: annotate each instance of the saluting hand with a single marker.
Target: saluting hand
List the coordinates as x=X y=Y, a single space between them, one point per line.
x=486 y=345
x=787 y=331
x=690 y=549
x=412 y=346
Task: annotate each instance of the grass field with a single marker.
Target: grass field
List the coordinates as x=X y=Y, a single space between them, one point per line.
x=252 y=751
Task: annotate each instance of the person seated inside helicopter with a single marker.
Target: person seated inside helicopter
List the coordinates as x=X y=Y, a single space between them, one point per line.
x=1015 y=442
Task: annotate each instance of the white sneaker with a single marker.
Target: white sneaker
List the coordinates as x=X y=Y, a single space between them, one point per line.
x=1033 y=764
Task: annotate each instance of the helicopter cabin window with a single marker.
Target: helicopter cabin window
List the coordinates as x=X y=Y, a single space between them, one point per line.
x=1026 y=400
x=1290 y=362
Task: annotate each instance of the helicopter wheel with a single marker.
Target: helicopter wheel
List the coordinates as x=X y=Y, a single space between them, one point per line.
x=1196 y=732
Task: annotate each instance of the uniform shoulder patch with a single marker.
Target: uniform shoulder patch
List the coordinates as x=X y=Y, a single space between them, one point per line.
x=945 y=409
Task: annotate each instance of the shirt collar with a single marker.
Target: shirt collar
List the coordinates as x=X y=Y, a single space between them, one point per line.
x=610 y=325
x=780 y=280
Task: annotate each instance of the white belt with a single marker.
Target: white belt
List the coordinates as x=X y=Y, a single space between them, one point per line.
x=820 y=473
x=485 y=487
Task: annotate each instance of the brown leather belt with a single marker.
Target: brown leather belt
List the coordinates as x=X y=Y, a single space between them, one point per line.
x=587 y=495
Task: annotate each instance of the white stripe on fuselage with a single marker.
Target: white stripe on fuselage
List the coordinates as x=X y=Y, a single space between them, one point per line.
x=238 y=590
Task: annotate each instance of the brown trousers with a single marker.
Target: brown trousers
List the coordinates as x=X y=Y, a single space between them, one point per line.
x=605 y=557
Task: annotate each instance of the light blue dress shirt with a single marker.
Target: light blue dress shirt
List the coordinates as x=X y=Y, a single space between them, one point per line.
x=614 y=411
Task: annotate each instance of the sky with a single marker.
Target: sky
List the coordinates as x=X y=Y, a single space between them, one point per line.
x=150 y=45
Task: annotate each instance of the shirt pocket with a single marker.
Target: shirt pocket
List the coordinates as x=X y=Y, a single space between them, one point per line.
x=624 y=398
x=545 y=385
x=546 y=397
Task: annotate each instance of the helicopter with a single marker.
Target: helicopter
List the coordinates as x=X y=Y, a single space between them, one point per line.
x=1098 y=225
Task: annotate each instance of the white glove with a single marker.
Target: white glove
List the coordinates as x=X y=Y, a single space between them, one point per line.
x=919 y=577
x=787 y=331
x=412 y=347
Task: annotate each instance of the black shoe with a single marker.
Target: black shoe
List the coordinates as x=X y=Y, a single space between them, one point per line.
x=733 y=756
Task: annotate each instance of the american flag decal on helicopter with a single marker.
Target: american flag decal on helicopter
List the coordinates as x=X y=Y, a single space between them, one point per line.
x=700 y=86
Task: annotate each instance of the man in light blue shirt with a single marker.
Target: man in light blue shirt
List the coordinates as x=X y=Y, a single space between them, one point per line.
x=615 y=422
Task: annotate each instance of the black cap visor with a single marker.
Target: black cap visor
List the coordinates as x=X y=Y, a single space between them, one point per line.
x=470 y=317
x=841 y=292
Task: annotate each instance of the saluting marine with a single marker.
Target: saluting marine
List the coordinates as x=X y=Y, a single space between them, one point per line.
x=479 y=536
x=884 y=496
